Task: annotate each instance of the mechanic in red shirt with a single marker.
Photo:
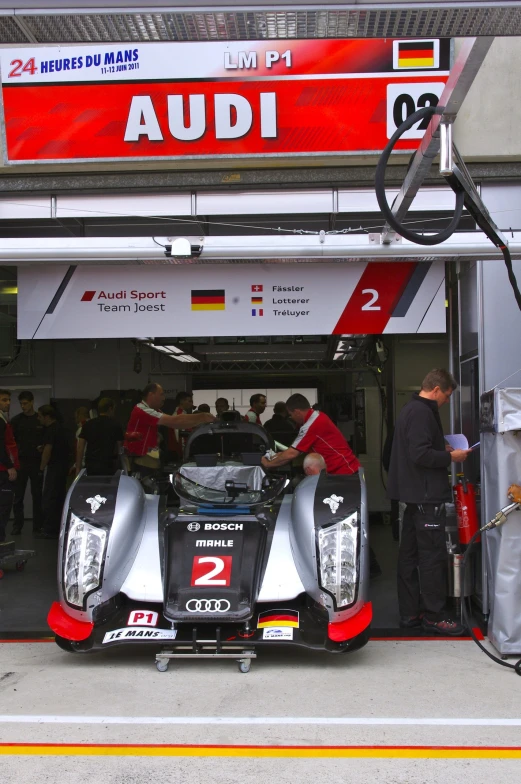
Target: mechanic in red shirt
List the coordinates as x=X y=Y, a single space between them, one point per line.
x=141 y=438
x=257 y=407
x=317 y=434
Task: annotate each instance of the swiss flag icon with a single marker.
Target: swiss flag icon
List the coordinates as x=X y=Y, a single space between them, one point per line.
x=257 y=287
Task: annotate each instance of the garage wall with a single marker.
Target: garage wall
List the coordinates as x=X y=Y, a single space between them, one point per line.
x=413 y=360
x=79 y=369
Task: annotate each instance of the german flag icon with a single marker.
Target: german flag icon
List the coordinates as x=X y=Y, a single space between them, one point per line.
x=416 y=54
x=277 y=619
x=208 y=299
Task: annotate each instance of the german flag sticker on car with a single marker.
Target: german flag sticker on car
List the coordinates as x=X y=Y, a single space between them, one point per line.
x=277 y=619
x=416 y=55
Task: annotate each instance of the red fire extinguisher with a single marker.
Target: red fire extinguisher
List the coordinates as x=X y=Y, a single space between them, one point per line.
x=466 y=512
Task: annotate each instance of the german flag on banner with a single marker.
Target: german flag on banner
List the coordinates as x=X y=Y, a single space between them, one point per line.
x=208 y=299
x=416 y=54
x=277 y=618
x=256 y=300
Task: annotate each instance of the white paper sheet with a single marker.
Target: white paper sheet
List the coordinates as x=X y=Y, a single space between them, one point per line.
x=457 y=441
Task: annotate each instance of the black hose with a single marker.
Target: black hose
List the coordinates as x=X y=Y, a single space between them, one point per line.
x=412 y=236
x=511 y=276
x=466 y=620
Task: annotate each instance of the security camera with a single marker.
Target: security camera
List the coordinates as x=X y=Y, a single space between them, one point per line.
x=182 y=248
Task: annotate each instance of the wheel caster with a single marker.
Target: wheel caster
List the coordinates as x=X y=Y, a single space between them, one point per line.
x=244 y=665
x=20 y=566
x=162 y=665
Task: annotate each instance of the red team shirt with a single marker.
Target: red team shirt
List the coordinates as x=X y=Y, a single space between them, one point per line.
x=143 y=420
x=319 y=434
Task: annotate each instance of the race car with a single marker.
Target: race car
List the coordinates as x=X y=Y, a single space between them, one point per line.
x=242 y=563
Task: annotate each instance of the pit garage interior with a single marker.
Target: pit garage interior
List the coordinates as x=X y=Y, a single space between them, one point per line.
x=361 y=380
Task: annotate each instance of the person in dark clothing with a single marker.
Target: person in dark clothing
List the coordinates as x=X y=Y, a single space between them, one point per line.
x=418 y=477
x=55 y=462
x=8 y=462
x=103 y=438
x=28 y=434
x=280 y=426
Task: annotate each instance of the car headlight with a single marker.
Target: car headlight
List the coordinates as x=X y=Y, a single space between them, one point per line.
x=83 y=560
x=338 y=558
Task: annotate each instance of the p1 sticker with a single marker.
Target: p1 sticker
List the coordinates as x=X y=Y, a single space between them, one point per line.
x=142 y=618
x=277 y=634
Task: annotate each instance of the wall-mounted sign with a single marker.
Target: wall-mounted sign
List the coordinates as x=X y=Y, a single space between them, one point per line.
x=226 y=300
x=246 y=98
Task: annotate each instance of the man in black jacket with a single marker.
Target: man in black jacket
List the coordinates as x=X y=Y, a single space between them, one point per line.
x=418 y=476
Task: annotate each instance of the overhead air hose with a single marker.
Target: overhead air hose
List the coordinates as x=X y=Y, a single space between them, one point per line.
x=427 y=113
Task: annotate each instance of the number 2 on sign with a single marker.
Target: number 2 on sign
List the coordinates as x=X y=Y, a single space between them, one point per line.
x=211 y=570
x=373 y=298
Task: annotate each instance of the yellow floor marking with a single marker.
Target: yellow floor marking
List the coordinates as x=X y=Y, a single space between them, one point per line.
x=371 y=752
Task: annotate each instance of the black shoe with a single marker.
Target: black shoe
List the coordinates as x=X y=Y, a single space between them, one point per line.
x=446 y=627
x=16 y=531
x=410 y=621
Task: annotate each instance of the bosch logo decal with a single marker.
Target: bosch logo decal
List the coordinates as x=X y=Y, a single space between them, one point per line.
x=223 y=526
x=208 y=605
x=193 y=527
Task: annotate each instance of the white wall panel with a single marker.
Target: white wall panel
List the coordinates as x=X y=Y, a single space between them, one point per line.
x=20 y=207
x=264 y=202
x=364 y=199
x=107 y=206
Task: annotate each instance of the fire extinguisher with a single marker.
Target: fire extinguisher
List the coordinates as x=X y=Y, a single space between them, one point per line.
x=466 y=512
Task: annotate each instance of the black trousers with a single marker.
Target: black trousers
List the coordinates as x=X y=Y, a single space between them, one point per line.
x=28 y=472
x=54 y=492
x=422 y=562
x=6 y=502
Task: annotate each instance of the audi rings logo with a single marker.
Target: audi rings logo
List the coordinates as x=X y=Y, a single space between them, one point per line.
x=208 y=605
x=193 y=526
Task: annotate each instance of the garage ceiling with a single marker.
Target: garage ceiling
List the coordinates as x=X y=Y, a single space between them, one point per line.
x=31 y=21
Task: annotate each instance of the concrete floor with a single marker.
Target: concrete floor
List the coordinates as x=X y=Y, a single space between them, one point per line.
x=398 y=688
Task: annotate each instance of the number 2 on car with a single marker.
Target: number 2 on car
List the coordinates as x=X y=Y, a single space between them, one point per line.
x=211 y=570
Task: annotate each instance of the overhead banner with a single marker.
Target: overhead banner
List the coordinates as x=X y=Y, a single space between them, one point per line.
x=205 y=100
x=227 y=300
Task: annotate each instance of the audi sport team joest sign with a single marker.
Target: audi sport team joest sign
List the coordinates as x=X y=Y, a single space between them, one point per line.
x=184 y=100
x=224 y=300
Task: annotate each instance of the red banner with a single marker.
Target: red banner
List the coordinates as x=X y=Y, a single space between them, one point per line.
x=60 y=108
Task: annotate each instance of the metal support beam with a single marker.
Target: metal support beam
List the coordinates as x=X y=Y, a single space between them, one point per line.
x=466 y=67
x=330 y=248
x=460 y=179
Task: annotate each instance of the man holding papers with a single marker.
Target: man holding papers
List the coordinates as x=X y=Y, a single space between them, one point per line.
x=418 y=476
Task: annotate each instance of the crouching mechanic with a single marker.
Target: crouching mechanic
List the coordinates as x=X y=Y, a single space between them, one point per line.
x=142 y=438
x=317 y=434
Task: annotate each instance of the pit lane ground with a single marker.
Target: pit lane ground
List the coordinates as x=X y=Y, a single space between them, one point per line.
x=395 y=711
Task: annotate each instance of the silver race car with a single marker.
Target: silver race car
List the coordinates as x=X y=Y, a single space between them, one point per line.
x=243 y=563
